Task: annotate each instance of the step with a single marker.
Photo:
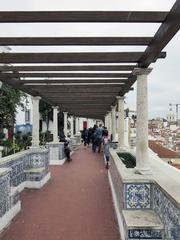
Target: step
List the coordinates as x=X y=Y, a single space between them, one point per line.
x=142 y=224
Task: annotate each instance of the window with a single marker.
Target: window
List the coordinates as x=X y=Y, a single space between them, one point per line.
x=27 y=116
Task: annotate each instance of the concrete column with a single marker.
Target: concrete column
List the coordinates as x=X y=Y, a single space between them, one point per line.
x=126 y=132
x=35 y=122
x=65 y=123
x=1 y=149
x=113 y=113
x=109 y=123
x=121 y=140
x=77 y=125
x=55 y=124
x=105 y=121
x=72 y=126
x=142 y=165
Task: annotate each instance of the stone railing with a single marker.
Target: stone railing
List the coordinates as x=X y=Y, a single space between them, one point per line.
x=147 y=207
x=27 y=169
x=56 y=150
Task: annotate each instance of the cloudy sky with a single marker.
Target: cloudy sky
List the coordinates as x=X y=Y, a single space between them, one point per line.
x=164 y=81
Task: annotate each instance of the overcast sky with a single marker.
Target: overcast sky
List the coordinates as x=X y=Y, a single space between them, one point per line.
x=164 y=81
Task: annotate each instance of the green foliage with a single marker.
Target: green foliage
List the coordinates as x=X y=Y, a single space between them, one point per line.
x=10 y=99
x=45 y=137
x=21 y=142
x=46 y=112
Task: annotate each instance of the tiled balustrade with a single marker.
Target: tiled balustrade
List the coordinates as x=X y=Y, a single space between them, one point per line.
x=56 y=150
x=135 y=193
x=25 y=169
x=56 y=153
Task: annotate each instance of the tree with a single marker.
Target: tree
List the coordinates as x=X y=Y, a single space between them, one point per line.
x=10 y=99
x=46 y=112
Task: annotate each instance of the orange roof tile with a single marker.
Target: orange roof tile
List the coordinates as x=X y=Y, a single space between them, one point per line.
x=161 y=151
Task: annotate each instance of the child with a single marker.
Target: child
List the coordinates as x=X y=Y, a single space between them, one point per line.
x=106 y=148
x=67 y=150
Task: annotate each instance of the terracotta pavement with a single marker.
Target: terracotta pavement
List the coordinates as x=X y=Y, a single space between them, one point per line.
x=75 y=204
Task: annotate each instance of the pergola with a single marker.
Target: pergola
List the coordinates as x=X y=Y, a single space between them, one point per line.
x=83 y=94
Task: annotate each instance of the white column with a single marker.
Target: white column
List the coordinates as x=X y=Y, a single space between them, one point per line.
x=126 y=132
x=77 y=125
x=105 y=121
x=65 y=123
x=113 y=112
x=1 y=149
x=35 y=122
x=72 y=126
x=142 y=165
x=55 y=124
x=121 y=141
x=109 y=123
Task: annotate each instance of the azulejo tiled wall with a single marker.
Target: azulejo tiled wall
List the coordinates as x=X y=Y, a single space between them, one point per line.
x=14 y=173
x=118 y=185
x=142 y=195
x=168 y=212
x=4 y=193
x=144 y=234
x=138 y=195
x=56 y=150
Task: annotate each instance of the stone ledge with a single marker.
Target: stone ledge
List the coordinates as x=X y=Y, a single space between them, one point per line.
x=142 y=219
x=7 y=218
x=38 y=184
x=57 y=162
x=34 y=170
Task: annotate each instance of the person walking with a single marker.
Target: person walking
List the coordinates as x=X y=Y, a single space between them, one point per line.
x=98 y=137
x=106 y=140
x=93 y=138
x=85 y=137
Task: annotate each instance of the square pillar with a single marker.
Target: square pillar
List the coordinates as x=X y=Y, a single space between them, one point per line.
x=35 y=122
x=72 y=126
x=109 y=123
x=77 y=125
x=121 y=130
x=142 y=165
x=113 y=113
x=55 y=124
x=65 y=123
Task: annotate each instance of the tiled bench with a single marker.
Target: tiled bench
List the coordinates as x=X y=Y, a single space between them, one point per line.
x=142 y=224
x=140 y=197
x=27 y=169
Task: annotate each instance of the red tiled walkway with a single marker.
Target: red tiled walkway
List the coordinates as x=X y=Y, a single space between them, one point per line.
x=75 y=205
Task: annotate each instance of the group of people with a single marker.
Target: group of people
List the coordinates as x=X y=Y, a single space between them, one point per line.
x=97 y=136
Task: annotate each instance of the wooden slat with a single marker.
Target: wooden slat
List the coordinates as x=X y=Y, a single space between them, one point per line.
x=51 y=41
x=127 y=87
x=100 y=57
x=166 y=31
x=67 y=75
x=70 y=68
x=82 y=16
x=59 y=89
x=75 y=81
x=81 y=98
x=83 y=105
